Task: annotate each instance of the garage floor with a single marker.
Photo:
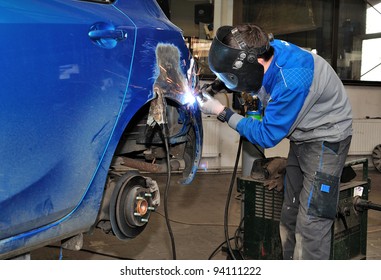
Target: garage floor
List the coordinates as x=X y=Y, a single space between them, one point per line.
x=197 y=218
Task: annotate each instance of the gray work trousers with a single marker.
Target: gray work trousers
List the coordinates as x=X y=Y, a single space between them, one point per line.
x=311 y=195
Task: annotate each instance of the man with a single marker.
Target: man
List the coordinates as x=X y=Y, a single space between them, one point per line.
x=304 y=101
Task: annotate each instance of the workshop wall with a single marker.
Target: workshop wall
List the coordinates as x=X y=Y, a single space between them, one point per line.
x=186 y=13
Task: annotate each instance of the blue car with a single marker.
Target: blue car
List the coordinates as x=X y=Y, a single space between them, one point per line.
x=96 y=98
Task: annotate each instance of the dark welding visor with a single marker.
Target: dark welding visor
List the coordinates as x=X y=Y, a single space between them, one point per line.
x=237 y=68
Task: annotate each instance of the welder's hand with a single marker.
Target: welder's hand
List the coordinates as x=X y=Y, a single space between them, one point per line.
x=208 y=104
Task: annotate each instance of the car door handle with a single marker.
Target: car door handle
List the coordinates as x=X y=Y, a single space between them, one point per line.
x=105 y=35
x=108 y=34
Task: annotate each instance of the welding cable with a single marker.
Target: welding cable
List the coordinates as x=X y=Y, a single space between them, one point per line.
x=227 y=205
x=92 y=252
x=193 y=224
x=165 y=134
x=238 y=239
x=260 y=151
x=218 y=248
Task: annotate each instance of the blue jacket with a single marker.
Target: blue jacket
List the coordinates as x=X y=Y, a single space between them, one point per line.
x=306 y=101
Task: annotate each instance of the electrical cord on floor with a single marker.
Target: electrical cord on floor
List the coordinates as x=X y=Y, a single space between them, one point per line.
x=88 y=251
x=165 y=134
x=238 y=239
x=218 y=248
x=193 y=224
x=227 y=205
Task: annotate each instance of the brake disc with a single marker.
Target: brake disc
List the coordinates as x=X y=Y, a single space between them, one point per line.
x=132 y=201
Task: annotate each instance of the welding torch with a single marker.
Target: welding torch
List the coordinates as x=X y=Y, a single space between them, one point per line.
x=242 y=101
x=213 y=88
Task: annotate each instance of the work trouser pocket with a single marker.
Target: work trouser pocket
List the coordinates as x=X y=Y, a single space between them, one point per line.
x=323 y=198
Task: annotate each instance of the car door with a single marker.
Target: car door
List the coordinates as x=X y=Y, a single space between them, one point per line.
x=65 y=70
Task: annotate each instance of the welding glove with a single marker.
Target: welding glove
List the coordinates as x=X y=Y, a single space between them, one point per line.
x=275 y=183
x=275 y=171
x=209 y=105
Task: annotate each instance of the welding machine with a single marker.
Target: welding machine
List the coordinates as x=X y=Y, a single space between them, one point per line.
x=261 y=210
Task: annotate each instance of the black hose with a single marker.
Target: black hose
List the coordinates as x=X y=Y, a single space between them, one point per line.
x=92 y=252
x=226 y=217
x=218 y=248
x=361 y=204
x=165 y=132
x=237 y=237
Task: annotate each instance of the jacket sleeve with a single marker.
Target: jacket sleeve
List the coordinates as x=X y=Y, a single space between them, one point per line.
x=281 y=112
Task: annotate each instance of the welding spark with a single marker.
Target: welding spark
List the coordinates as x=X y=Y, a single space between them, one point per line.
x=204 y=165
x=189 y=96
x=162 y=68
x=169 y=80
x=178 y=87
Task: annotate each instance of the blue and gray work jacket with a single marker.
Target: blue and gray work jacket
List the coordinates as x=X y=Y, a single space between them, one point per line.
x=304 y=101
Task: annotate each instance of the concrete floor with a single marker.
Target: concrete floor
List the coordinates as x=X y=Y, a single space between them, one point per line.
x=197 y=217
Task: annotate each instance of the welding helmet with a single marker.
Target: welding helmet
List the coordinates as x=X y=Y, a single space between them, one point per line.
x=237 y=68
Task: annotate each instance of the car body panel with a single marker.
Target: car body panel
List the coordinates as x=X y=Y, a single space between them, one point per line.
x=66 y=100
x=76 y=106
